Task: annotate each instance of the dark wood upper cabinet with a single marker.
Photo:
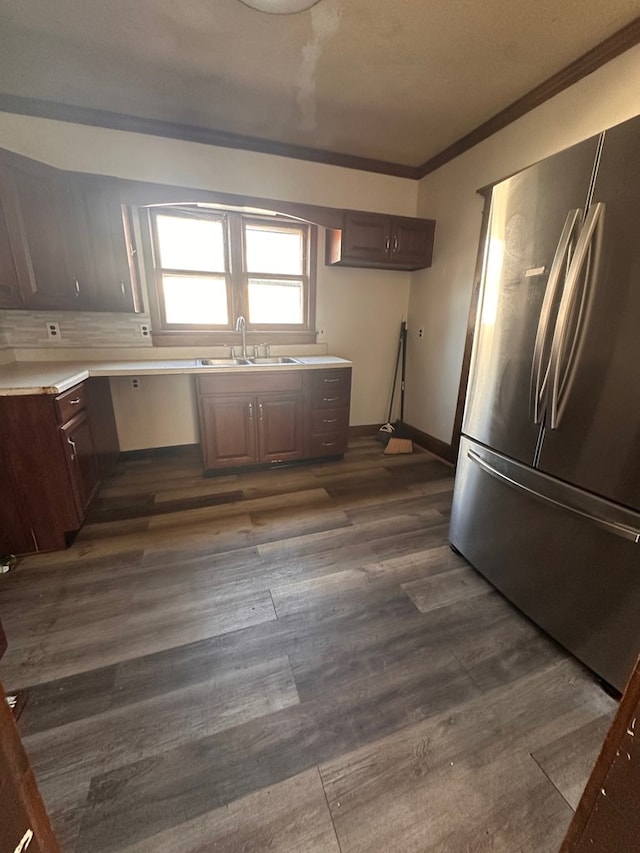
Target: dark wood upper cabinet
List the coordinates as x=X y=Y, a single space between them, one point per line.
x=377 y=241
x=10 y=293
x=66 y=242
x=107 y=242
x=40 y=223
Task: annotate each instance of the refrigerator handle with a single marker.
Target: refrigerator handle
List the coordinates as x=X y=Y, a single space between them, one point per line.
x=538 y=377
x=614 y=527
x=585 y=256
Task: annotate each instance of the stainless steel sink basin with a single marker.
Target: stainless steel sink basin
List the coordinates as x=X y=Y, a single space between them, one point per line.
x=279 y=359
x=223 y=362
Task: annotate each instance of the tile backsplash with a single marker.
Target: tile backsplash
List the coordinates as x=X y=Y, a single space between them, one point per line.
x=20 y=329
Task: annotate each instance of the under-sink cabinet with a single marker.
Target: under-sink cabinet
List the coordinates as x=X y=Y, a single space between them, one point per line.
x=273 y=418
x=55 y=450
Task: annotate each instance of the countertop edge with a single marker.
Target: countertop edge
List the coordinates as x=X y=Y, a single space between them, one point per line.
x=60 y=378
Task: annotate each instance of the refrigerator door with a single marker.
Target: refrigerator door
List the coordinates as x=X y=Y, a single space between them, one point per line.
x=568 y=560
x=596 y=444
x=530 y=212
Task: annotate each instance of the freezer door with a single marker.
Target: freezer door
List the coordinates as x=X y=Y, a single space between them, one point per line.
x=529 y=214
x=596 y=445
x=568 y=560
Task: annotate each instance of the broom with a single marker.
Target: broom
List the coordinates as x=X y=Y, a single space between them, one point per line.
x=395 y=436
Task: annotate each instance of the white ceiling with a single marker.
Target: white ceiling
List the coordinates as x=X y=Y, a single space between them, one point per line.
x=394 y=80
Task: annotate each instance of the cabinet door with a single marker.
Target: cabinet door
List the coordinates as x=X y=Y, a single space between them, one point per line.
x=81 y=459
x=10 y=296
x=103 y=423
x=411 y=242
x=366 y=237
x=227 y=427
x=280 y=427
x=24 y=823
x=40 y=223
x=107 y=244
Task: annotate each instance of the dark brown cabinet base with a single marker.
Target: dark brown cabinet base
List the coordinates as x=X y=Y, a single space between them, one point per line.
x=273 y=418
x=55 y=451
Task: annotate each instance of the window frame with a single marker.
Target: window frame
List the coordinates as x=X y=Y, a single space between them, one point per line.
x=236 y=277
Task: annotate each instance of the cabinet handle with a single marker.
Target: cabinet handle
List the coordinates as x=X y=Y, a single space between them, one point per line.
x=250 y=411
x=330 y=399
x=395 y=244
x=76 y=284
x=72 y=445
x=331 y=380
x=132 y=250
x=387 y=244
x=328 y=443
x=260 y=407
x=122 y=287
x=329 y=420
x=74 y=402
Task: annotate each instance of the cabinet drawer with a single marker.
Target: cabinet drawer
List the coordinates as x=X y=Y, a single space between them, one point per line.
x=330 y=383
x=251 y=383
x=69 y=403
x=331 y=444
x=329 y=420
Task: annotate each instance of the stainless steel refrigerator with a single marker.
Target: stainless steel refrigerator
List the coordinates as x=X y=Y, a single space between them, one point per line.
x=547 y=492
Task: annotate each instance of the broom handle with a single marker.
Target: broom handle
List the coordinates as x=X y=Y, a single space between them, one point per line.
x=403 y=343
x=395 y=374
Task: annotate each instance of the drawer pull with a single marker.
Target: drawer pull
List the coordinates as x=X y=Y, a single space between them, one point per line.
x=330 y=399
x=331 y=380
x=328 y=444
x=329 y=420
x=74 y=402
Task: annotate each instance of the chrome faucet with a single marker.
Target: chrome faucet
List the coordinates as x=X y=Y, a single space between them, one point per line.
x=241 y=326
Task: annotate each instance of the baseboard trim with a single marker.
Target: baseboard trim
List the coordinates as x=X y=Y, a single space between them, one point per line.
x=363 y=430
x=429 y=442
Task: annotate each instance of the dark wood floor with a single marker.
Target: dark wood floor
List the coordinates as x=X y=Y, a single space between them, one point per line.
x=293 y=661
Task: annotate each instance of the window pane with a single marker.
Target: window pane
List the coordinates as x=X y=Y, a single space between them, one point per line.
x=190 y=244
x=273 y=250
x=273 y=301
x=196 y=300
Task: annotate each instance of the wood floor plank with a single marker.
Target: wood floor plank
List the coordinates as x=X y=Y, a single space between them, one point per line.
x=219 y=769
x=446 y=588
x=399 y=793
x=290 y=817
x=125 y=733
x=568 y=760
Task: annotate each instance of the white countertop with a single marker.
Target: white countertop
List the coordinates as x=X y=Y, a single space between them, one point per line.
x=54 y=377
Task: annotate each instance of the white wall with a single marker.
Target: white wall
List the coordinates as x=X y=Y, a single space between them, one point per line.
x=440 y=296
x=358 y=311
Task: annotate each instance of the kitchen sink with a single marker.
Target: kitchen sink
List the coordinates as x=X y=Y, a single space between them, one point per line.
x=223 y=362
x=279 y=359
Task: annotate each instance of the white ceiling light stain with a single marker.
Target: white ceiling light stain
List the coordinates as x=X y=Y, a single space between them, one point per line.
x=325 y=22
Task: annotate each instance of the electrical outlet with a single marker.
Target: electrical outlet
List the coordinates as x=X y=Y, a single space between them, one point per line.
x=53 y=331
x=135 y=383
x=145 y=330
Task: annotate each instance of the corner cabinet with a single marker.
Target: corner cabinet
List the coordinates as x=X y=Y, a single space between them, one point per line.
x=272 y=418
x=65 y=241
x=55 y=451
x=377 y=241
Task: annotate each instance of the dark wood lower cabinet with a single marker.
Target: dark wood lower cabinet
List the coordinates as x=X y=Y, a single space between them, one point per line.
x=51 y=464
x=273 y=417
x=24 y=824
x=280 y=425
x=227 y=434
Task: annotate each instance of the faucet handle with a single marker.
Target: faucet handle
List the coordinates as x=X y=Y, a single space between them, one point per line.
x=267 y=349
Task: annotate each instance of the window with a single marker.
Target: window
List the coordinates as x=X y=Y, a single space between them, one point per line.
x=211 y=267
